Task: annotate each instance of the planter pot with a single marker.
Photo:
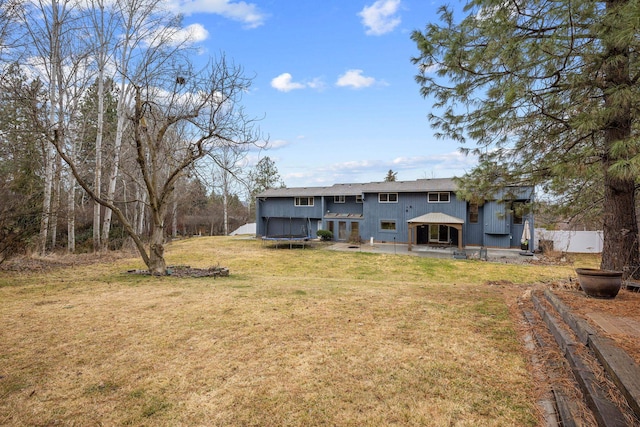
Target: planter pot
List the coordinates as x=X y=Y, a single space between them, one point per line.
x=598 y=283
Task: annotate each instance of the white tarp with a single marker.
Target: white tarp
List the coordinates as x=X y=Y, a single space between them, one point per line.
x=245 y=229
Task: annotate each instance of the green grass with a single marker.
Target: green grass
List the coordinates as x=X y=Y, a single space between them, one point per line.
x=293 y=337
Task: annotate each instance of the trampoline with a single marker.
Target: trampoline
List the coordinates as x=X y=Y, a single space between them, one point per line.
x=298 y=231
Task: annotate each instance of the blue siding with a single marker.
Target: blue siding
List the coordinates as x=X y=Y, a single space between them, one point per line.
x=496 y=218
x=268 y=211
x=409 y=206
x=278 y=215
x=497 y=240
x=348 y=207
x=474 y=233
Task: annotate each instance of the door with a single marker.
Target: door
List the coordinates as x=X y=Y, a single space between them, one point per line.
x=422 y=235
x=355 y=232
x=438 y=233
x=342 y=230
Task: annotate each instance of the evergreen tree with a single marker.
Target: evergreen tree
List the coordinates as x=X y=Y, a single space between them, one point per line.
x=549 y=92
x=265 y=175
x=391 y=176
x=21 y=147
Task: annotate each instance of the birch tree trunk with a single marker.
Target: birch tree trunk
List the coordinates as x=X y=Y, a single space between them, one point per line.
x=50 y=154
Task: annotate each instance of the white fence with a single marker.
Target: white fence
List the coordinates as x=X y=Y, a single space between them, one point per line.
x=571 y=241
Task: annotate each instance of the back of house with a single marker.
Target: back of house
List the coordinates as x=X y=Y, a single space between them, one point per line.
x=420 y=212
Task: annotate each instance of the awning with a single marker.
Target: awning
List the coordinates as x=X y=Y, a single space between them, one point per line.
x=435 y=218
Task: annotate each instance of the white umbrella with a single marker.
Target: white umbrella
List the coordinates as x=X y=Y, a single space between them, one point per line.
x=526 y=233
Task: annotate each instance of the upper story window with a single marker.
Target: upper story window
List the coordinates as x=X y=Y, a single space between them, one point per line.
x=438 y=197
x=520 y=209
x=388 y=197
x=303 y=201
x=359 y=198
x=338 y=199
x=473 y=213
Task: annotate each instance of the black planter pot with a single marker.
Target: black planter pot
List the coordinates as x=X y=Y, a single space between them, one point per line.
x=598 y=283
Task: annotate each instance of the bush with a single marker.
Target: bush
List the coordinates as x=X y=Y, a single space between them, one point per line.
x=325 y=235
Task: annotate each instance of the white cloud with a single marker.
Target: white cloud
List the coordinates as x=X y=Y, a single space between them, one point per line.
x=247 y=13
x=380 y=18
x=429 y=69
x=174 y=36
x=355 y=79
x=443 y=165
x=194 y=33
x=284 y=83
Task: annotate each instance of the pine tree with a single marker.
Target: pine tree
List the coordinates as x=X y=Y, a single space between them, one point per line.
x=549 y=93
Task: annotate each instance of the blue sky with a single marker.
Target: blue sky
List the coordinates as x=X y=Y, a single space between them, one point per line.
x=335 y=84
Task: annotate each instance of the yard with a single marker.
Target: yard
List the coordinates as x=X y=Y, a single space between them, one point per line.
x=302 y=337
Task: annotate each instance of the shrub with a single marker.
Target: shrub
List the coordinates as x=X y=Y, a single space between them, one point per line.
x=324 y=235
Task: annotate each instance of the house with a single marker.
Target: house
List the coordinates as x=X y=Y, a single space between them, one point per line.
x=421 y=212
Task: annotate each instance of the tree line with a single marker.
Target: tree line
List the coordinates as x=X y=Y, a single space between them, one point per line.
x=110 y=131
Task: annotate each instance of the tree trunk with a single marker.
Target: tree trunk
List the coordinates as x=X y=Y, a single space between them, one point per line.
x=620 y=228
x=113 y=175
x=71 y=217
x=97 y=178
x=157 y=264
x=49 y=155
x=55 y=208
x=174 y=217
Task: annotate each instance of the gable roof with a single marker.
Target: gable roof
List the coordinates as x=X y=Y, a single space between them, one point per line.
x=436 y=218
x=417 y=186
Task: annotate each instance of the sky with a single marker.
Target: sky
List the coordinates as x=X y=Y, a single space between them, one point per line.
x=333 y=85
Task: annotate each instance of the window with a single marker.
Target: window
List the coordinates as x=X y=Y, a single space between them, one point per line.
x=388 y=197
x=519 y=209
x=303 y=201
x=388 y=225
x=359 y=198
x=438 y=197
x=338 y=199
x=473 y=213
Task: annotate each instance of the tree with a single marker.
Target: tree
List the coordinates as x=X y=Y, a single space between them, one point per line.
x=21 y=145
x=391 y=176
x=176 y=122
x=263 y=176
x=228 y=159
x=549 y=93
x=51 y=27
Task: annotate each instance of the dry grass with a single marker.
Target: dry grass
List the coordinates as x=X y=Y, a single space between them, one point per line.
x=293 y=337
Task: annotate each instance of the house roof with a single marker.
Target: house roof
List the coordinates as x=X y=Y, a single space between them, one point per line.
x=417 y=186
x=436 y=218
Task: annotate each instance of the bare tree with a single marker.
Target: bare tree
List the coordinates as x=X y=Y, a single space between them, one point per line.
x=228 y=159
x=146 y=38
x=101 y=35
x=177 y=120
x=50 y=28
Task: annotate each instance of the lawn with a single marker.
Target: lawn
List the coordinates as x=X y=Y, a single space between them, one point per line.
x=302 y=337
